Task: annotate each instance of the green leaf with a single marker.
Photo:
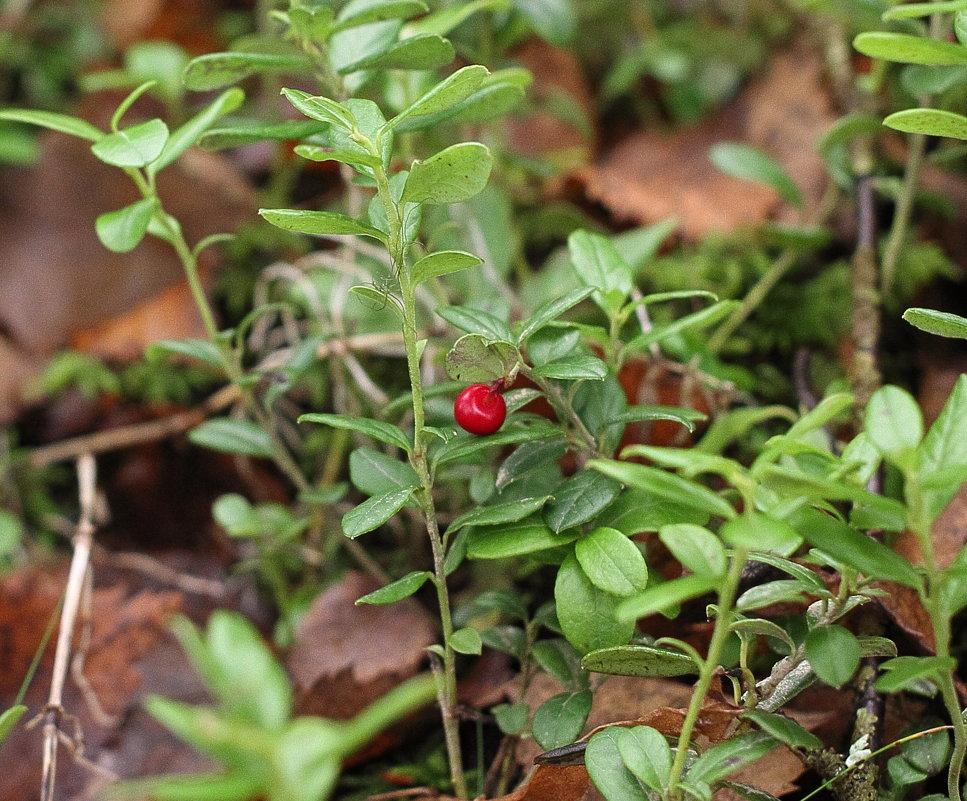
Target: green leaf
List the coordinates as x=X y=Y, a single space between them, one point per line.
x=426 y=52
x=598 y=264
x=911 y=10
x=586 y=613
x=826 y=411
x=550 y=311
x=578 y=368
x=441 y=263
x=136 y=146
x=322 y=109
x=515 y=540
x=685 y=417
x=319 y=223
x=696 y=548
x=579 y=499
x=942 y=324
x=665 y=596
x=375 y=472
x=474 y=359
x=725 y=758
x=612 y=562
x=9 y=719
x=53 y=121
x=646 y=753
x=377 y=429
x=466 y=641
x=465 y=445
x=355 y=158
x=894 y=424
x=249 y=133
x=192 y=787
x=759 y=532
x=215 y=70
x=121 y=231
x=447 y=18
x=511 y=718
x=909 y=49
x=607 y=769
x=929 y=121
x=942 y=456
x=555 y=21
x=771 y=592
x=375 y=511
x=380 y=12
x=232 y=436
x=700 y=319
x=905 y=672
x=742 y=161
x=188 y=134
x=668 y=485
x=497 y=514
x=784 y=729
x=845 y=543
x=560 y=659
x=200 y=349
x=757 y=626
x=475 y=321
x=560 y=719
x=640 y=660
x=834 y=654
x=454 y=89
x=453 y=175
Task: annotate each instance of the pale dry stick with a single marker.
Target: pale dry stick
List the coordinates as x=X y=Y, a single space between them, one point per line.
x=80 y=563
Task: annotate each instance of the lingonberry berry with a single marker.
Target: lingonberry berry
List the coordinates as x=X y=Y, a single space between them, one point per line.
x=480 y=409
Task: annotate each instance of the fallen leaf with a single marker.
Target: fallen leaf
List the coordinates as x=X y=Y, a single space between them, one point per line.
x=654 y=175
x=345 y=656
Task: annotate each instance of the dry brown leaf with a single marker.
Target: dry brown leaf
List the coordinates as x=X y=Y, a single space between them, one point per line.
x=655 y=175
x=345 y=656
x=553 y=783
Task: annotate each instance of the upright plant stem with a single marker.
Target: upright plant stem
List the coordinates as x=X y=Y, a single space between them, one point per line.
x=720 y=633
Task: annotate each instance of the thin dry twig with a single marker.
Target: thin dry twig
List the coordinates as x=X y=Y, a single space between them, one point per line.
x=76 y=581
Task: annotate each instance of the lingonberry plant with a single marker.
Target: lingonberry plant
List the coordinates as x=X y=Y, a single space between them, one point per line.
x=551 y=473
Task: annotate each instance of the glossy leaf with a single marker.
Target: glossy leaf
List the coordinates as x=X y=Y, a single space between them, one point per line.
x=375 y=472
x=424 y=52
x=466 y=641
x=759 y=532
x=579 y=499
x=909 y=671
x=379 y=12
x=445 y=19
x=579 y=368
x=834 y=654
x=474 y=359
x=894 y=424
x=646 y=753
x=598 y=264
x=454 y=89
x=560 y=719
x=586 y=613
x=640 y=660
x=607 y=768
x=475 y=321
x=232 y=436
x=913 y=10
x=465 y=445
x=136 y=146
x=216 y=70
x=942 y=324
x=725 y=758
x=375 y=511
x=696 y=548
x=515 y=540
x=612 y=562
x=377 y=429
x=121 y=231
x=509 y=512
x=321 y=108
x=771 y=592
x=662 y=597
x=932 y=122
x=53 y=121
x=667 y=485
x=453 y=175
x=319 y=223
x=442 y=263
x=249 y=133
x=511 y=718
x=843 y=542
x=784 y=729
x=700 y=319
x=188 y=134
x=743 y=161
x=909 y=49
x=551 y=310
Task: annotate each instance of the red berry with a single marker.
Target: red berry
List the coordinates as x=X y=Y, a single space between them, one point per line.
x=480 y=409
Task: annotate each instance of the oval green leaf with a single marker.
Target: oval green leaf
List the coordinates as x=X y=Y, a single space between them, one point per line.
x=743 y=161
x=121 y=231
x=640 y=660
x=319 y=223
x=136 y=146
x=453 y=175
x=612 y=562
x=375 y=511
